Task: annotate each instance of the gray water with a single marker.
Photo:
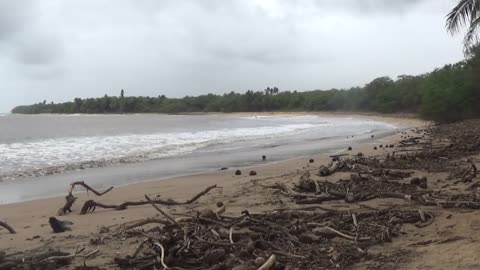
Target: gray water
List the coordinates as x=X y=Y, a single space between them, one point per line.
x=41 y=154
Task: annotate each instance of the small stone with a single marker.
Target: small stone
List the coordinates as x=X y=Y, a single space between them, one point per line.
x=264 y=157
x=374 y=148
x=252 y=173
x=349 y=148
x=349 y=198
x=311 y=160
x=259 y=261
x=238 y=172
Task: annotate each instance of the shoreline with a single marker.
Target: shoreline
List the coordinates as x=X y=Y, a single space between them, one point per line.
x=36 y=183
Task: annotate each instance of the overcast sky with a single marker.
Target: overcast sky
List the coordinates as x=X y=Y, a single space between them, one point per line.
x=58 y=50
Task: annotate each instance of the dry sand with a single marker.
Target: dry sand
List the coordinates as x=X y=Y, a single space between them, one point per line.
x=30 y=219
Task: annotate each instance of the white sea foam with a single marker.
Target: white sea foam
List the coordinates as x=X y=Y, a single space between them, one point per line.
x=24 y=156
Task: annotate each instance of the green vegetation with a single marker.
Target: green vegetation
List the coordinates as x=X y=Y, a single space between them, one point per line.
x=446 y=94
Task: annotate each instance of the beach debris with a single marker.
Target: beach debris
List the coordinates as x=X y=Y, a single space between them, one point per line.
x=43 y=259
x=91 y=205
x=7 y=227
x=287 y=237
x=373 y=136
x=70 y=199
x=223 y=168
x=419 y=181
x=252 y=173
x=59 y=226
x=331 y=168
x=469 y=173
x=238 y=172
x=374 y=148
x=311 y=160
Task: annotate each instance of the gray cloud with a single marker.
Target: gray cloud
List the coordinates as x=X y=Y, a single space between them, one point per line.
x=38 y=51
x=371 y=6
x=14 y=16
x=33 y=51
x=58 y=50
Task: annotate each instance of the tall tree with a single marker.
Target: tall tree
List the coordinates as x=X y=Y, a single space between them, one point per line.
x=465 y=13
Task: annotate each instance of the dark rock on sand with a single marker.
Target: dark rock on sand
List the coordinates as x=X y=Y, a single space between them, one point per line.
x=59 y=226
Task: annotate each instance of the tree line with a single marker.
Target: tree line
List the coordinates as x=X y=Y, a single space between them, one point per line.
x=445 y=94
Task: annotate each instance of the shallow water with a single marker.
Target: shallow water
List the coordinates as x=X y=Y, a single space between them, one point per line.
x=39 y=151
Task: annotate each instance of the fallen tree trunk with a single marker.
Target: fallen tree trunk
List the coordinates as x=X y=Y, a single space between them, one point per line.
x=91 y=205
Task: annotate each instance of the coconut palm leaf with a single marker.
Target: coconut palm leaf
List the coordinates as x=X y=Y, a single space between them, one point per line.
x=465 y=13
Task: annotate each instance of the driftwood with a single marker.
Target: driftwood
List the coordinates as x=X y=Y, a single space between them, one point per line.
x=469 y=173
x=331 y=169
x=8 y=227
x=70 y=199
x=42 y=260
x=91 y=205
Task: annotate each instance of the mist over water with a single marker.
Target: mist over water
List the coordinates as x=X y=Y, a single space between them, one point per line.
x=39 y=147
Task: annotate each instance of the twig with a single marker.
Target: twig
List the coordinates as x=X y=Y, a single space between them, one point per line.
x=8 y=227
x=161 y=211
x=230 y=234
x=145 y=222
x=140 y=247
x=269 y=263
x=162 y=254
x=88 y=188
x=219 y=243
x=346 y=236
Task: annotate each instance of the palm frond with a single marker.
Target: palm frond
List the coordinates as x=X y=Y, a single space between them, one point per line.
x=472 y=36
x=461 y=14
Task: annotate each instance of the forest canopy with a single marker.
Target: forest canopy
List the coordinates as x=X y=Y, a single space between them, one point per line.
x=446 y=94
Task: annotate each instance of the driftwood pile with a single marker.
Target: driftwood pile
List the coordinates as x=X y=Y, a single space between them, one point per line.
x=281 y=239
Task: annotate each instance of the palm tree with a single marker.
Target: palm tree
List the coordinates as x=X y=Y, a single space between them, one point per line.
x=466 y=13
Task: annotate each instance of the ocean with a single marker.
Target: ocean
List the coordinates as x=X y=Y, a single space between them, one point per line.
x=41 y=154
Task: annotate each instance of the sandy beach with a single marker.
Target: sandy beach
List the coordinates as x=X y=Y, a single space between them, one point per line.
x=238 y=193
